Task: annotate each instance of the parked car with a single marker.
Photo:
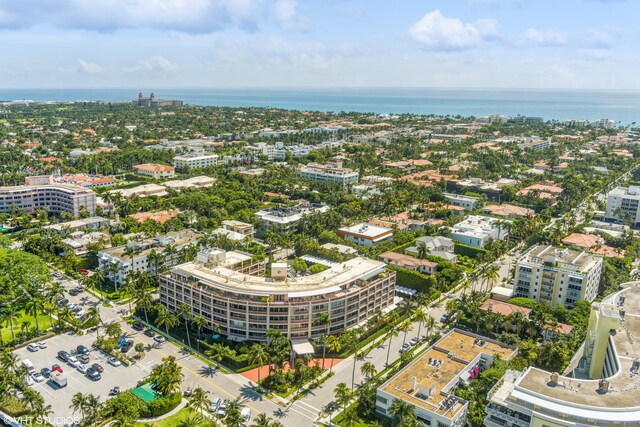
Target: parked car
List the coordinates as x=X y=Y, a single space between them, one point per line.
x=215 y=402
x=150 y=333
x=405 y=347
x=159 y=339
x=73 y=292
x=84 y=358
x=37 y=377
x=82 y=349
x=115 y=391
x=46 y=372
x=42 y=344
x=414 y=341
x=126 y=346
x=93 y=375
x=222 y=409
x=98 y=367
x=63 y=355
x=82 y=369
x=137 y=326
x=73 y=361
x=63 y=301
x=56 y=368
x=33 y=347
x=444 y=318
x=114 y=361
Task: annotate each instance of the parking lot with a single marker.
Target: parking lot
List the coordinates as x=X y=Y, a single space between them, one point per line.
x=60 y=398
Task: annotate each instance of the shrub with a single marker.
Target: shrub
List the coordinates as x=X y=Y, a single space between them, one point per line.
x=162 y=405
x=523 y=302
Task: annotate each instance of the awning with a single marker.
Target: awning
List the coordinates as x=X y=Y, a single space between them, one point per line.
x=302 y=347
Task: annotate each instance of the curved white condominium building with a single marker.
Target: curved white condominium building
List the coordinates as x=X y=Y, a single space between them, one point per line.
x=53 y=198
x=230 y=290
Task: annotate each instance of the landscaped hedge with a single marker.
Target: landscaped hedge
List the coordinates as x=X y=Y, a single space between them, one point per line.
x=411 y=279
x=523 y=302
x=162 y=405
x=468 y=251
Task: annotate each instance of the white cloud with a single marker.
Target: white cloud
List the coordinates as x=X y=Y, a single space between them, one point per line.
x=89 y=67
x=189 y=16
x=155 y=63
x=438 y=32
x=286 y=13
x=603 y=38
x=546 y=38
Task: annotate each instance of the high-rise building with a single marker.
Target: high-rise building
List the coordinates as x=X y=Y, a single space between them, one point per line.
x=602 y=390
x=230 y=291
x=622 y=204
x=54 y=198
x=553 y=275
x=331 y=172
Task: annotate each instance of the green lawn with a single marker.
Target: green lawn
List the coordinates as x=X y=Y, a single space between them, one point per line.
x=43 y=320
x=175 y=419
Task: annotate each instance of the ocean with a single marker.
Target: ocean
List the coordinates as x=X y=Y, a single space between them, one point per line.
x=623 y=106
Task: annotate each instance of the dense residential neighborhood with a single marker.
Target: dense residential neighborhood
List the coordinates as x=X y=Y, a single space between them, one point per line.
x=267 y=267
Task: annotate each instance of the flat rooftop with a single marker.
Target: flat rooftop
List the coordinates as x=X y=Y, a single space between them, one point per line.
x=368 y=230
x=562 y=256
x=180 y=239
x=569 y=393
x=326 y=281
x=457 y=351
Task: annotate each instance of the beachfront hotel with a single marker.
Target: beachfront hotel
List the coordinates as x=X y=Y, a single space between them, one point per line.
x=602 y=388
x=230 y=290
x=429 y=381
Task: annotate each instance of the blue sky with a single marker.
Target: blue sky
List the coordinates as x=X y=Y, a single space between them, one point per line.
x=582 y=44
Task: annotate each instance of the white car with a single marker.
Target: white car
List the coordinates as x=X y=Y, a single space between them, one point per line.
x=73 y=361
x=33 y=347
x=82 y=369
x=37 y=377
x=114 y=362
x=42 y=345
x=159 y=339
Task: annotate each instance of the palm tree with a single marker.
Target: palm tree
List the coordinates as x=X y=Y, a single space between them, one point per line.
x=423 y=250
x=154 y=259
x=130 y=285
x=258 y=356
x=343 y=395
x=93 y=316
x=405 y=327
x=33 y=306
x=93 y=406
x=11 y=317
x=421 y=316
x=143 y=300
x=167 y=375
x=401 y=411
x=368 y=369
x=219 y=351
x=334 y=345
x=190 y=422
x=9 y=361
x=262 y=420
x=350 y=418
x=394 y=332
x=185 y=312
x=431 y=323
x=234 y=417
x=198 y=399
x=165 y=318
x=113 y=330
x=79 y=403
x=198 y=322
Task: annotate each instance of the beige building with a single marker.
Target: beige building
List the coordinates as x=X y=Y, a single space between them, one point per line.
x=231 y=291
x=53 y=198
x=603 y=390
x=239 y=227
x=558 y=276
x=155 y=171
x=428 y=382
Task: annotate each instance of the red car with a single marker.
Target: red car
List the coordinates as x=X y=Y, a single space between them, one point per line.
x=56 y=367
x=98 y=367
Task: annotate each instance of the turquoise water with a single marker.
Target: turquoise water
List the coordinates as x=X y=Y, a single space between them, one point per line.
x=623 y=106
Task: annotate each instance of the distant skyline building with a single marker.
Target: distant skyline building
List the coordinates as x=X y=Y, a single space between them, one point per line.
x=152 y=102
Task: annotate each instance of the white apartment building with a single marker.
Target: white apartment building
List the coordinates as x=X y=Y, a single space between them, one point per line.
x=476 y=230
x=467 y=202
x=331 y=172
x=117 y=264
x=263 y=148
x=558 y=276
x=285 y=219
x=365 y=234
x=230 y=291
x=155 y=171
x=603 y=390
x=428 y=382
x=622 y=204
x=53 y=198
x=195 y=160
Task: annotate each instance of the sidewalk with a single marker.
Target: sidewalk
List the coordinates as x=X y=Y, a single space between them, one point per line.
x=174 y=411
